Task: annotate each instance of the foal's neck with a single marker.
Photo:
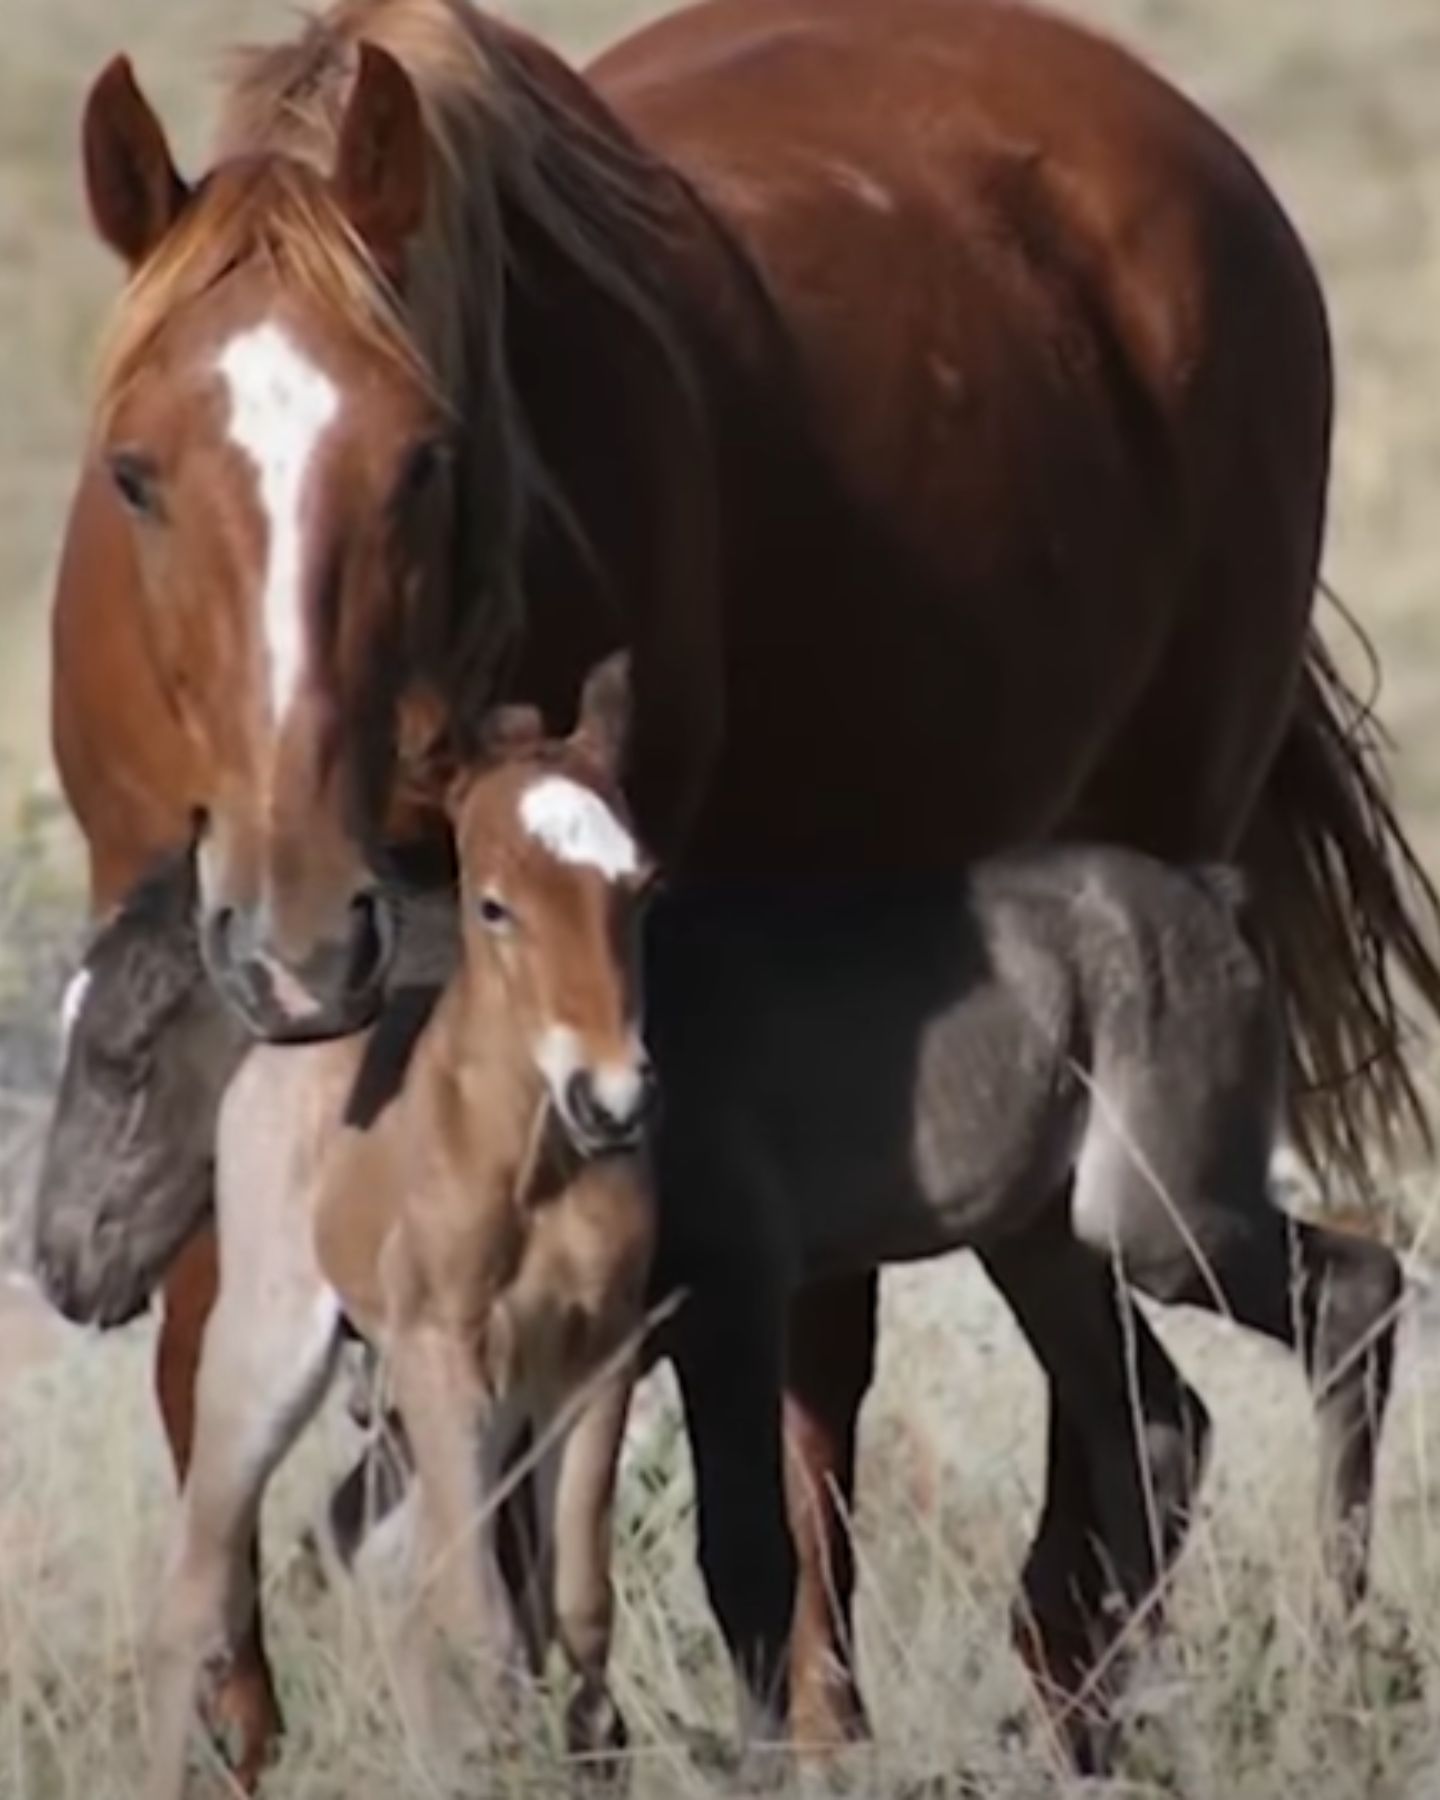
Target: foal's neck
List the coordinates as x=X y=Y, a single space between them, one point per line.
x=483 y=1082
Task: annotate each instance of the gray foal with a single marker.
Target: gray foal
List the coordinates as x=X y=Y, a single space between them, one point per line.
x=1070 y=1056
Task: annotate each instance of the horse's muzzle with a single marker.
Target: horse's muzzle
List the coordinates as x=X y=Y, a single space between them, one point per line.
x=93 y=1283
x=334 y=990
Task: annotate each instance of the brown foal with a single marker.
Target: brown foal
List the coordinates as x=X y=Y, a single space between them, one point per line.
x=491 y=1232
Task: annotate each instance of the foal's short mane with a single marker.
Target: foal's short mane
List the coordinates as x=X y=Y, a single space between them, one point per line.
x=506 y=145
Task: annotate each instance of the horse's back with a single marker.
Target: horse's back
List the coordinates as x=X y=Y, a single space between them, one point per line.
x=1067 y=366
x=1009 y=161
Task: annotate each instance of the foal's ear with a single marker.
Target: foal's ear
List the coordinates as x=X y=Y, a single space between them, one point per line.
x=134 y=191
x=380 y=174
x=602 y=731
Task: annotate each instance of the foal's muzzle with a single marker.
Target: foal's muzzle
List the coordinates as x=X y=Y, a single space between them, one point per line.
x=607 y=1109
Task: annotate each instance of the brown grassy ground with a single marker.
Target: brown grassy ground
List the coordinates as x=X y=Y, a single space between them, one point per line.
x=1340 y=102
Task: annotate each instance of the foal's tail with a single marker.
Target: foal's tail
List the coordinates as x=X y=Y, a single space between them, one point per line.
x=1353 y=923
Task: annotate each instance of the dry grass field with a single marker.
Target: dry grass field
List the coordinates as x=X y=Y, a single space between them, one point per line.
x=1340 y=103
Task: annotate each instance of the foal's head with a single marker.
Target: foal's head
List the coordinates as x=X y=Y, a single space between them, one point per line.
x=148 y=1051
x=552 y=886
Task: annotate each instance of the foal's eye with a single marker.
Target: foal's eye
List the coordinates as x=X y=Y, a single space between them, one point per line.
x=137 y=482
x=494 y=913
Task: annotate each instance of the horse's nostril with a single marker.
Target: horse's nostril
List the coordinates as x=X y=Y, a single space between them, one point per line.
x=369 y=940
x=222 y=933
x=604 y=1115
x=581 y=1103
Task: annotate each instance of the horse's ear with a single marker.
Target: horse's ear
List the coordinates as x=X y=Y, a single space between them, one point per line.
x=510 y=731
x=420 y=718
x=457 y=790
x=602 y=731
x=134 y=191
x=380 y=162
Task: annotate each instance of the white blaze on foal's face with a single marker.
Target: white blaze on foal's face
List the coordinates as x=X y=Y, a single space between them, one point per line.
x=576 y=826
x=586 y=998
x=281 y=406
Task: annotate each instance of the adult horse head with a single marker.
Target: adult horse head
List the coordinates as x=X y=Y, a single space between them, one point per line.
x=308 y=413
x=280 y=446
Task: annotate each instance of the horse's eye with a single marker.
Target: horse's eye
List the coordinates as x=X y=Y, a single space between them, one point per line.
x=137 y=482
x=421 y=469
x=123 y=1069
x=494 y=913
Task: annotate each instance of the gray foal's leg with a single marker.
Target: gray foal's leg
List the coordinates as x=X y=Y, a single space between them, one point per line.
x=1203 y=1230
x=1126 y=1448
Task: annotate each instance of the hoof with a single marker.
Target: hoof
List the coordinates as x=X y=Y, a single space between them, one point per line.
x=242 y=1720
x=827 y=1716
x=596 y=1735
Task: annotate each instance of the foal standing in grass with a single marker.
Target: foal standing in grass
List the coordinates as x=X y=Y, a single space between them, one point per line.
x=491 y=1232
x=1070 y=1061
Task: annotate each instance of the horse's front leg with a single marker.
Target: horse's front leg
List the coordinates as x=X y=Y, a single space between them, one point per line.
x=240 y=1709
x=727 y=1345
x=261 y=1375
x=456 y=1435
x=830 y=1363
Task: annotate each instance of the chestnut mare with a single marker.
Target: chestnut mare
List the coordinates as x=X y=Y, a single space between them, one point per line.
x=935 y=403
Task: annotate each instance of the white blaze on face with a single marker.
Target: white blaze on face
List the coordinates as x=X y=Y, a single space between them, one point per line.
x=575 y=825
x=620 y=1087
x=558 y=1057
x=71 y=1004
x=280 y=407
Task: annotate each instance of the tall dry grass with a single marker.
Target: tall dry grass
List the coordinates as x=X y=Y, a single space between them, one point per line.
x=1246 y=1699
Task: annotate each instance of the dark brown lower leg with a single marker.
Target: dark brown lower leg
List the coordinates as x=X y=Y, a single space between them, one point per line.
x=1127 y=1439
x=830 y=1363
x=241 y=1711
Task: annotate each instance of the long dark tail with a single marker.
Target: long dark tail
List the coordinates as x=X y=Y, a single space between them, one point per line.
x=1354 y=926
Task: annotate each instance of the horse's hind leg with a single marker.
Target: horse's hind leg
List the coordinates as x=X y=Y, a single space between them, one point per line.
x=1350 y=1292
x=261 y=1376
x=1126 y=1446
x=1329 y=1295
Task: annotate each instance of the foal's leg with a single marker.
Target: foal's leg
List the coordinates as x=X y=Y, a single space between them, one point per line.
x=371 y=1491
x=241 y=1711
x=1331 y=1296
x=261 y=1376
x=582 y=1532
x=830 y=1363
x=1126 y=1447
x=451 y=1423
